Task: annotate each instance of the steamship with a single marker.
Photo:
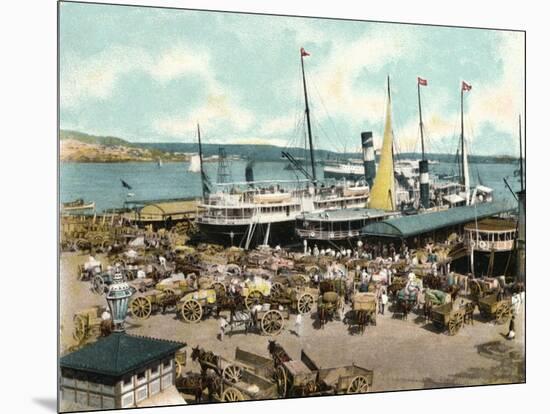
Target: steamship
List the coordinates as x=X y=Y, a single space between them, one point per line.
x=397 y=188
x=252 y=213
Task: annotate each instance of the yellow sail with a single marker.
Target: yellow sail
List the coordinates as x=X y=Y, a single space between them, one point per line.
x=382 y=194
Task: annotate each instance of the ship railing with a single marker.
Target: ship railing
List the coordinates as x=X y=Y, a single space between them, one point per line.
x=488 y=246
x=326 y=235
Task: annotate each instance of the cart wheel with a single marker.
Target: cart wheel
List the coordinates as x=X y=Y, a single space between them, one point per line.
x=281 y=380
x=502 y=314
x=169 y=299
x=232 y=394
x=80 y=328
x=191 y=311
x=272 y=322
x=82 y=244
x=232 y=373
x=141 y=307
x=98 y=285
x=254 y=298
x=358 y=385
x=454 y=325
x=179 y=369
x=305 y=303
x=277 y=289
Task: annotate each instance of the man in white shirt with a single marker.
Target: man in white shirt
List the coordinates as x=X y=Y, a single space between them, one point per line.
x=298 y=325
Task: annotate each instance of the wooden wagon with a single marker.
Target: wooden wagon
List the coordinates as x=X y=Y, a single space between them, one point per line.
x=262 y=319
x=254 y=363
x=306 y=378
x=364 y=309
x=491 y=308
x=445 y=317
x=248 y=386
x=237 y=381
x=88 y=322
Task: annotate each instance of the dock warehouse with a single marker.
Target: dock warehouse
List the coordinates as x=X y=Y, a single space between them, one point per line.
x=164 y=213
x=434 y=226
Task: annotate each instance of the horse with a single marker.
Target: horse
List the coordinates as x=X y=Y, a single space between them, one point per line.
x=206 y=359
x=428 y=305
x=405 y=307
x=469 y=309
x=278 y=353
x=453 y=291
x=196 y=383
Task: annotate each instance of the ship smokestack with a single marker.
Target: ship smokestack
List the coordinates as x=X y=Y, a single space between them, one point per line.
x=368 y=157
x=249 y=172
x=424 y=184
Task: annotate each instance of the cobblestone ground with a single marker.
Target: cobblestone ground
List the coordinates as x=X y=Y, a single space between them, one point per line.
x=404 y=354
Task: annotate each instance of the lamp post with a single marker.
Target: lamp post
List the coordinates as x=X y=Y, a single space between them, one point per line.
x=117 y=298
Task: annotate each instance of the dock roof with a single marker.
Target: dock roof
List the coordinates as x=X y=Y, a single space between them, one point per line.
x=119 y=354
x=407 y=226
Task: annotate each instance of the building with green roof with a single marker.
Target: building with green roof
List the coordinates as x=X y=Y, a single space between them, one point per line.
x=118 y=371
x=432 y=224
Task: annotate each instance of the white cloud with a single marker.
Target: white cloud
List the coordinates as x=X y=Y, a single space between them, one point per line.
x=217 y=113
x=497 y=104
x=96 y=76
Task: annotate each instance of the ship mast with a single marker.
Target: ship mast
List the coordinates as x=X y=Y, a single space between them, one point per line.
x=205 y=188
x=465 y=178
x=520 y=156
x=423 y=164
x=311 y=151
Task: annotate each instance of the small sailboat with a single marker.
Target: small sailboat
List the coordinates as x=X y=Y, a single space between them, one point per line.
x=195 y=164
x=159 y=163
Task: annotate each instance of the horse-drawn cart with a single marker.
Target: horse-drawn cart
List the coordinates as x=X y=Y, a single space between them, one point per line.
x=304 y=377
x=492 y=308
x=364 y=309
x=446 y=317
x=89 y=322
x=237 y=382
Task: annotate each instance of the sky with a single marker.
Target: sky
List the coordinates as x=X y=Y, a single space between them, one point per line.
x=150 y=75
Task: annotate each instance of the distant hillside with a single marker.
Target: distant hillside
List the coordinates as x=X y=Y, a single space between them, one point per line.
x=79 y=147
x=90 y=148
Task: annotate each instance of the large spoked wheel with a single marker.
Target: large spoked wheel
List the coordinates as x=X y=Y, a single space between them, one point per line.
x=141 y=307
x=277 y=289
x=232 y=394
x=305 y=303
x=455 y=323
x=281 y=379
x=254 y=298
x=272 y=322
x=191 y=311
x=179 y=369
x=232 y=373
x=358 y=385
x=502 y=314
x=80 y=328
x=98 y=285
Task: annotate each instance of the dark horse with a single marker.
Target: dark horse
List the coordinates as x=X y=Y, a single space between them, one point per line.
x=196 y=383
x=206 y=359
x=277 y=352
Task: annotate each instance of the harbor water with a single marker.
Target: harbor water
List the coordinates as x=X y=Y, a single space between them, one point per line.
x=101 y=182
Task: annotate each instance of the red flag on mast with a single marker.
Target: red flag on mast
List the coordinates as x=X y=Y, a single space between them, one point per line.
x=465 y=86
x=423 y=82
x=303 y=52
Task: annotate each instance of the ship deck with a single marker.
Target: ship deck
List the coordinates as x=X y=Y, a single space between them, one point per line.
x=348 y=214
